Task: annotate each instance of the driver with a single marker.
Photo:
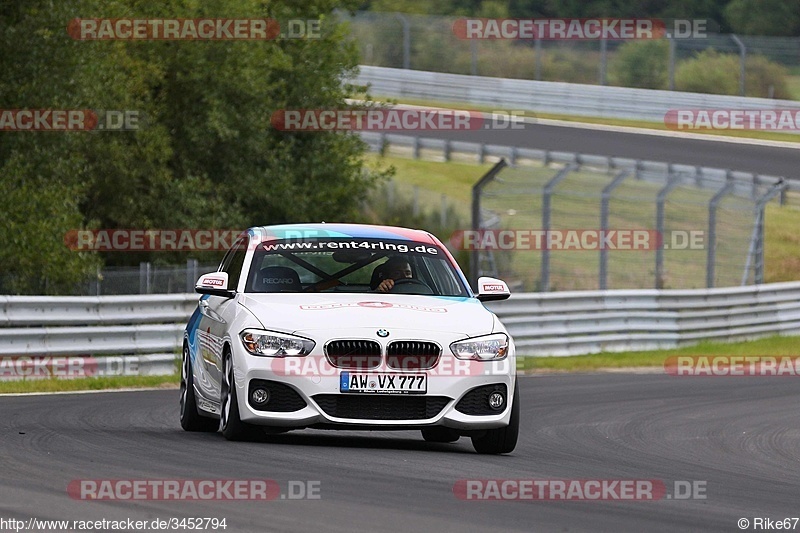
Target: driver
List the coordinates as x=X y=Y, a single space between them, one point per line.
x=394 y=269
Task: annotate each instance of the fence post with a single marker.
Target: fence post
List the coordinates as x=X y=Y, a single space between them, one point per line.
x=672 y=48
x=98 y=282
x=661 y=200
x=546 y=195
x=415 y=204
x=443 y=213
x=606 y=199
x=477 y=189
x=603 y=60
x=742 y=59
x=712 y=229
x=473 y=57
x=144 y=278
x=406 y=40
x=756 y=249
x=191 y=274
x=537 y=75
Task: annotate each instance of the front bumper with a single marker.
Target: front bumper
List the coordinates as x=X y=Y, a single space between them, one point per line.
x=317 y=384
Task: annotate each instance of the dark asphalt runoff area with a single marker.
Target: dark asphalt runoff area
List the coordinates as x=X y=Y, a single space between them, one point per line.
x=738 y=438
x=767 y=160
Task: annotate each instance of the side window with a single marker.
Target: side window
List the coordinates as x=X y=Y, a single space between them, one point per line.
x=233 y=262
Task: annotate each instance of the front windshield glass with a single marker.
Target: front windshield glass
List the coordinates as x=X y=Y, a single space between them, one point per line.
x=353 y=265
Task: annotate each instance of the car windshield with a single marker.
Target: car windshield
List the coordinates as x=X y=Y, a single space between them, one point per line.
x=353 y=265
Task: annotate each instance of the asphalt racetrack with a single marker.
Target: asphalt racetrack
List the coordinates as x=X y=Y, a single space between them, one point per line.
x=760 y=159
x=738 y=437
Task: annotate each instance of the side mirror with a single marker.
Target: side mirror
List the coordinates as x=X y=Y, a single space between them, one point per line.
x=214 y=284
x=491 y=289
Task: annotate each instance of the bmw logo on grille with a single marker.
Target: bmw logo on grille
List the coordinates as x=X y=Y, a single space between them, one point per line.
x=383 y=333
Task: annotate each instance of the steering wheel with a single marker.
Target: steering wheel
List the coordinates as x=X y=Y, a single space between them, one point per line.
x=410 y=286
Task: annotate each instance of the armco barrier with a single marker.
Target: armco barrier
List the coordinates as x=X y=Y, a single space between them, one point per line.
x=139 y=332
x=543 y=324
x=550 y=97
x=585 y=322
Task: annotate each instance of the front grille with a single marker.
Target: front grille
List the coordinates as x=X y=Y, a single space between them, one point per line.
x=282 y=398
x=476 y=401
x=381 y=407
x=354 y=354
x=412 y=355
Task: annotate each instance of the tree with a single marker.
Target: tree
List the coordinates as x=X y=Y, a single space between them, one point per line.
x=764 y=17
x=205 y=155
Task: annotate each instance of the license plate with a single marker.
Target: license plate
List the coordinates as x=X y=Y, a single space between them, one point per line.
x=383 y=383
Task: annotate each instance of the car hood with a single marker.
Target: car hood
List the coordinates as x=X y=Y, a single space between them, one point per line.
x=307 y=312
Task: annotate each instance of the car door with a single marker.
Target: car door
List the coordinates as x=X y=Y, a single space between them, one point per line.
x=216 y=313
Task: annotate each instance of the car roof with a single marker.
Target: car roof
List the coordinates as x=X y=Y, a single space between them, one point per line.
x=336 y=230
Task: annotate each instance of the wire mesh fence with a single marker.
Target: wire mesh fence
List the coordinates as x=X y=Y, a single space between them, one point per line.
x=147 y=278
x=429 y=43
x=559 y=227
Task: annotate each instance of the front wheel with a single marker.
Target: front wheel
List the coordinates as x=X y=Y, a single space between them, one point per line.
x=501 y=440
x=231 y=425
x=191 y=419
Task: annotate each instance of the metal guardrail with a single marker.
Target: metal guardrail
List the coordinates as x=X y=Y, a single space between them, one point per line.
x=585 y=322
x=132 y=333
x=551 y=97
x=562 y=323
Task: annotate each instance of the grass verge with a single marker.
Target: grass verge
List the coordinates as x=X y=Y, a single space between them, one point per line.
x=773 y=346
x=83 y=384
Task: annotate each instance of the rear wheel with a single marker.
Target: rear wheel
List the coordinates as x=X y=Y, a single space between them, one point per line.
x=191 y=419
x=230 y=423
x=501 y=440
x=440 y=434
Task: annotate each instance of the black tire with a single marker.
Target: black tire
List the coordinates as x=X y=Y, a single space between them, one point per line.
x=501 y=440
x=230 y=423
x=191 y=419
x=440 y=434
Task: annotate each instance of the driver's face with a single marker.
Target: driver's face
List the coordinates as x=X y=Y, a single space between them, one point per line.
x=400 y=272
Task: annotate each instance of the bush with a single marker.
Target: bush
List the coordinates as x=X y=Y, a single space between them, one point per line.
x=708 y=72
x=643 y=64
x=761 y=73
x=715 y=73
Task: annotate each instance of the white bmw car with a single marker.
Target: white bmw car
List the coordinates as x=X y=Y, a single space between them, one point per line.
x=347 y=326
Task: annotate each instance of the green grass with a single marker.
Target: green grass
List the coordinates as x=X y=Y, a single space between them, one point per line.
x=794 y=86
x=83 y=384
x=773 y=346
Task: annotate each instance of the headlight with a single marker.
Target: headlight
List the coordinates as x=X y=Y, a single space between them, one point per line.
x=486 y=348
x=271 y=344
